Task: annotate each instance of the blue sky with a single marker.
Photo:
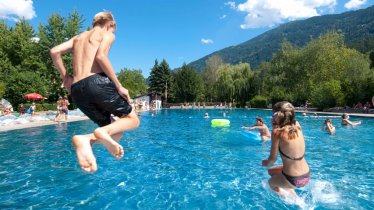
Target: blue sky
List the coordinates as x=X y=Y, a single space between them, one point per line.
x=179 y=31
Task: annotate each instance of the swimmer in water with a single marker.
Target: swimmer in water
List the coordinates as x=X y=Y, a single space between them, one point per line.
x=287 y=138
x=327 y=126
x=261 y=127
x=206 y=115
x=346 y=121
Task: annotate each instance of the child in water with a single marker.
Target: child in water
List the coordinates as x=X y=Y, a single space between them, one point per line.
x=287 y=138
x=346 y=121
x=261 y=127
x=327 y=126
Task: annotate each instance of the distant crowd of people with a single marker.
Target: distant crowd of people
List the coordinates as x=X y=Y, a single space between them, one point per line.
x=203 y=105
x=22 y=110
x=61 y=115
x=365 y=108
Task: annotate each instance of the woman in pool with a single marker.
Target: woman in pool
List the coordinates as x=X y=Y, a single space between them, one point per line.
x=346 y=121
x=287 y=138
x=261 y=127
x=327 y=126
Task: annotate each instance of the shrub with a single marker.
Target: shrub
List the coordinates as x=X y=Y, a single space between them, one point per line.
x=2 y=89
x=259 y=102
x=328 y=94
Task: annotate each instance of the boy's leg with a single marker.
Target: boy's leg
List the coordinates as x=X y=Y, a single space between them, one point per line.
x=115 y=129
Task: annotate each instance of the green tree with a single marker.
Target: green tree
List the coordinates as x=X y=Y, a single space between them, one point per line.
x=189 y=85
x=160 y=79
x=243 y=79
x=225 y=84
x=210 y=76
x=25 y=60
x=58 y=30
x=2 y=89
x=21 y=64
x=133 y=80
x=296 y=74
x=235 y=82
x=21 y=84
x=328 y=94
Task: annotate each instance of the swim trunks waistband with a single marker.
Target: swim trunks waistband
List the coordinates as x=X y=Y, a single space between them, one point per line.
x=88 y=78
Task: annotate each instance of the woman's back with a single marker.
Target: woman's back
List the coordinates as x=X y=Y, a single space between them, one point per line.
x=292 y=149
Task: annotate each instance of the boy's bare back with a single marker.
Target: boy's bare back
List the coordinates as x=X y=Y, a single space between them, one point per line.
x=85 y=47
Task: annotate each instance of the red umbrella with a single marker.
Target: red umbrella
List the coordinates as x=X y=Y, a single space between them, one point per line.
x=34 y=96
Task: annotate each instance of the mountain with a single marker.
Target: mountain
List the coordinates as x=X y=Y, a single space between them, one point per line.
x=357 y=27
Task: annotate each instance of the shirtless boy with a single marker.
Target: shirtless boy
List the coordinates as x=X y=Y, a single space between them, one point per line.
x=96 y=90
x=262 y=128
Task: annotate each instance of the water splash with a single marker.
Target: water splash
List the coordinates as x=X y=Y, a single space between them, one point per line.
x=11 y=119
x=324 y=192
x=316 y=193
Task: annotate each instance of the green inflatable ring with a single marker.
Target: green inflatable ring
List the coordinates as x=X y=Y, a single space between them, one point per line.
x=220 y=123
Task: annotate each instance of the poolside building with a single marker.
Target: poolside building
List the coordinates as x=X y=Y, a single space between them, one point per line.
x=148 y=101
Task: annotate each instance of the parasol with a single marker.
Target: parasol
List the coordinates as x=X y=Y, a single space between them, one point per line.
x=34 y=96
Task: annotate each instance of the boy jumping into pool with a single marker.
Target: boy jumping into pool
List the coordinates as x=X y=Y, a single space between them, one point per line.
x=96 y=90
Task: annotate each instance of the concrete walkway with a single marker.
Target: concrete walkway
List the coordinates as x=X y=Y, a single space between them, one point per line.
x=38 y=124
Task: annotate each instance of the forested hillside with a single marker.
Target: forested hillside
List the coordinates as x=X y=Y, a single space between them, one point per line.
x=357 y=28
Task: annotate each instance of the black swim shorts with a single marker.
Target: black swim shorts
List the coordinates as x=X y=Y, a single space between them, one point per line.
x=97 y=97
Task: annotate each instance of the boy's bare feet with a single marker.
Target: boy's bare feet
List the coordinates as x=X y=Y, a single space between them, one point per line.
x=83 y=148
x=111 y=145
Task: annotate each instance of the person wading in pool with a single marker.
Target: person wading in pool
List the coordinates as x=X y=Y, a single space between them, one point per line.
x=261 y=127
x=288 y=139
x=96 y=90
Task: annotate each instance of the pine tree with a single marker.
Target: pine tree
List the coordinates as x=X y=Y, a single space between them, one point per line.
x=160 y=79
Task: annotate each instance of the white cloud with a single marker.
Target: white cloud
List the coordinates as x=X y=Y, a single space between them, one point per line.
x=222 y=17
x=16 y=9
x=265 y=13
x=206 y=41
x=353 y=4
x=231 y=4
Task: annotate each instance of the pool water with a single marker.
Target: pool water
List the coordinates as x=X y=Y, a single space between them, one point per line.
x=176 y=160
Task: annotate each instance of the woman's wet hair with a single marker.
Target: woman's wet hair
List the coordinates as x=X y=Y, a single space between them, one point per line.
x=102 y=18
x=285 y=113
x=345 y=115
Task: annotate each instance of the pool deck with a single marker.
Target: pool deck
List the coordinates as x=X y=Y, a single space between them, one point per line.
x=75 y=118
x=39 y=123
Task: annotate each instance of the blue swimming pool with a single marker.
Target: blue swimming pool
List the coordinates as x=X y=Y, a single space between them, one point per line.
x=176 y=160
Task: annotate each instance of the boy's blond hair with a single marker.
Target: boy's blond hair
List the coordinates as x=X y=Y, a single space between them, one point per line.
x=103 y=17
